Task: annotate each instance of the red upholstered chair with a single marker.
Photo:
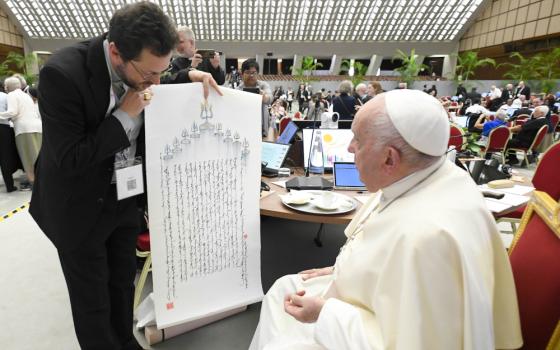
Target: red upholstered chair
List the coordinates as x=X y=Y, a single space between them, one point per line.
x=554 y=121
x=283 y=123
x=297 y=115
x=497 y=141
x=535 y=262
x=539 y=136
x=457 y=138
x=545 y=179
x=142 y=251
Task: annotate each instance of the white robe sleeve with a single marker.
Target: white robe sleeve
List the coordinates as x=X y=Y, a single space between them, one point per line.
x=340 y=327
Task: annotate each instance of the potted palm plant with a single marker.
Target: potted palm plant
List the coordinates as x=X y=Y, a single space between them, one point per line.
x=410 y=67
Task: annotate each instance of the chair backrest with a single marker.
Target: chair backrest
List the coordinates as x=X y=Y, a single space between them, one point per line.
x=457 y=138
x=522 y=117
x=539 y=137
x=498 y=138
x=297 y=115
x=554 y=119
x=283 y=123
x=547 y=173
x=491 y=117
x=535 y=262
x=520 y=122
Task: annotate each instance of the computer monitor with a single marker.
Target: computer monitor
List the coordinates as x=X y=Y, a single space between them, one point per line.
x=273 y=154
x=346 y=177
x=288 y=134
x=308 y=124
x=335 y=146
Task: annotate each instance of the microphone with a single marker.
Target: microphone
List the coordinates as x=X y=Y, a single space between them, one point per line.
x=306 y=182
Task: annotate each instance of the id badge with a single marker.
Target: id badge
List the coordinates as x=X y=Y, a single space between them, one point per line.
x=130 y=181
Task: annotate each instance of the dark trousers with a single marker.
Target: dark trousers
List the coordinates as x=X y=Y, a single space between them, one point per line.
x=100 y=278
x=290 y=105
x=9 y=158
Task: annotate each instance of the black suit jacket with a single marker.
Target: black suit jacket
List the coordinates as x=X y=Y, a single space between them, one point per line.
x=525 y=91
x=75 y=165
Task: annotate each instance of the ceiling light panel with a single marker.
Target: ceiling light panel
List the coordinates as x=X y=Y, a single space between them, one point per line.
x=262 y=20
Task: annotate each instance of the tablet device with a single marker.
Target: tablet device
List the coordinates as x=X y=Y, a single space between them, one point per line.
x=335 y=146
x=288 y=133
x=273 y=154
x=346 y=177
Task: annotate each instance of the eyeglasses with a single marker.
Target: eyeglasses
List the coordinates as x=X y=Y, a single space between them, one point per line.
x=145 y=76
x=253 y=74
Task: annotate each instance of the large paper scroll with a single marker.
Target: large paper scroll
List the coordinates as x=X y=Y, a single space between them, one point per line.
x=203 y=178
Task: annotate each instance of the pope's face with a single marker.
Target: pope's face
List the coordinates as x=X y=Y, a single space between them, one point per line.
x=369 y=156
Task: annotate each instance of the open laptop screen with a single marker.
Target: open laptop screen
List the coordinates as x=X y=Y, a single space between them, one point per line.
x=346 y=176
x=288 y=133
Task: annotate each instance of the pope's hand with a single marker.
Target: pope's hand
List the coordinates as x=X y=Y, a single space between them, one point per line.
x=307 y=274
x=206 y=80
x=303 y=309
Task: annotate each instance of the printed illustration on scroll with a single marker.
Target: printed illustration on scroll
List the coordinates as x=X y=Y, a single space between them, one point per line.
x=203 y=177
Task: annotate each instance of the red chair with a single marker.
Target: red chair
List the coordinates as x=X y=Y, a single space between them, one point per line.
x=554 y=121
x=545 y=179
x=142 y=251
x=457 y=138
x=497 y=141
x=297 y=115
x=535 y=263
x=539 y=136
x=283 y=123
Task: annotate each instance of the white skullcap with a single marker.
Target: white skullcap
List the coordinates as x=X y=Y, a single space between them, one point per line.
x=420 y=119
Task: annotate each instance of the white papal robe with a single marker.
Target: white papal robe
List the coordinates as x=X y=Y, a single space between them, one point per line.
x=423 y=268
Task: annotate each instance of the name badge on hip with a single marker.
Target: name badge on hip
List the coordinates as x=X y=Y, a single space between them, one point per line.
x=130 y=181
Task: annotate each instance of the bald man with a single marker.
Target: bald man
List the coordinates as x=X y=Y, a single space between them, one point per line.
x=421 y=269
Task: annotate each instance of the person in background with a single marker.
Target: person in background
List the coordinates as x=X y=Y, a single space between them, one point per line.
x=9 y=158
x=525 y=134
x=27 y=125
x=374 y=88
x=486 y=125
x=303 y=98
x=438 y=280
x=290 y=98
x=524 y=90
x=508 y=93
x=360 y=94
x=461 y=92
x=401 y=86
x=188 y=58
x=249 y=73
x=345 y=102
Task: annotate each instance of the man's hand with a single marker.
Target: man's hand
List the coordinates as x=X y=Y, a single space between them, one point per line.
x=206 y=80
x=308 y=274
x=303 y=309
x=196 y=60
x=134 y=101
x=215 y=61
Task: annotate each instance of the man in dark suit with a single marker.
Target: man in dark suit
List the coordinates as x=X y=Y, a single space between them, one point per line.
x=91 y=99
x=507 y=93
x=525 y=134
x=522 y=89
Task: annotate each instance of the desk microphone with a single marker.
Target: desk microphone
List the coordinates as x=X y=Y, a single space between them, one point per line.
x=306 y=182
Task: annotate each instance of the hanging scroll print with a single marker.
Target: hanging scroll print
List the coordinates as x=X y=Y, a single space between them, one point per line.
x=205 y=234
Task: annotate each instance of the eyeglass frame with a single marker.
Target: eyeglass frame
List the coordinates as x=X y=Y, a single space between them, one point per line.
x=252 y=74
x=145 y=76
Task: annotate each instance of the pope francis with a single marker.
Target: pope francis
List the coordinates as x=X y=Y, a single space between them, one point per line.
x=423 y=266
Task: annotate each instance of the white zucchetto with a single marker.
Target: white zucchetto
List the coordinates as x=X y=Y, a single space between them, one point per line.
x=420 y=119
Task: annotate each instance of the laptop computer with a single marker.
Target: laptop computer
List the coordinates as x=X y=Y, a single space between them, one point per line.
x=346 y=177
x=288 y=134
x=273 y=154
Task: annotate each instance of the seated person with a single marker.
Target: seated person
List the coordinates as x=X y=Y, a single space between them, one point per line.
x=486 y=125
x=506 y=106
x=439 y=280
x=523 y=110
x=526 y=132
